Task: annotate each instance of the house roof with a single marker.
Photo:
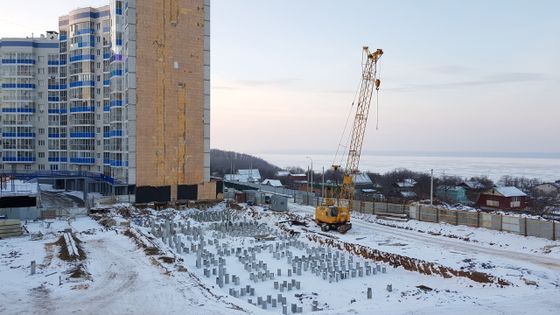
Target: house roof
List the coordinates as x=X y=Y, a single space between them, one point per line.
x=361 y=179
x=450 y=188
x=509 y=191
x=272 y=182
x=406 y=183
x=556 y=185
x=368 y=190
x=473 y=184
x=298 y=175
x=283 y=173
x=254 y=173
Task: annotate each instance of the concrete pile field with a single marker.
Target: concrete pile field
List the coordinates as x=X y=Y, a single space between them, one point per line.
x=262 y=265
x=282 y=263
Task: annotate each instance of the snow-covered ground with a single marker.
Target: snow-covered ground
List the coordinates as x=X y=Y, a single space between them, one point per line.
x=73 y=193
x=124 y=279
x=18 y=187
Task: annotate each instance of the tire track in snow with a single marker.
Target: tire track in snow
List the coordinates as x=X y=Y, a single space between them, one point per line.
x=451 y=244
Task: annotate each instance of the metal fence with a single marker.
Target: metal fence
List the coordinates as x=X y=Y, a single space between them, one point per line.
x=507 y=223
x=34 y=213
x=516 y=224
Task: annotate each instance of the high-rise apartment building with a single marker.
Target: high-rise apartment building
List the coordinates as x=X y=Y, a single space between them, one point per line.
x=125 y=99
x=29 y=90
x=85 y=52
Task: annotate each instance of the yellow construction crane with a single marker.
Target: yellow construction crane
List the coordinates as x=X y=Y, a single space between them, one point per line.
x=330 y=216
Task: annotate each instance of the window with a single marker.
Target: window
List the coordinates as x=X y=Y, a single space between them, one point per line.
x=41 y=154
x=40 y=70
x=27 y=167
x=41 y=59
x=41 y=131
x=41 y=166
x=54 y=167
x=493 y=203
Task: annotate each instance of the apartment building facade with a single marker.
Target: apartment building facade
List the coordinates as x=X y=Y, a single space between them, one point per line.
x=29 y=71
x=127 y=100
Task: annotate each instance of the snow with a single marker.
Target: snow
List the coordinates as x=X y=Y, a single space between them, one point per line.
x=80 y=194
x=272 y=182
x=510 y=191
x=406 y=183
x=361 y=179
x=124 y=280
x=16 y=187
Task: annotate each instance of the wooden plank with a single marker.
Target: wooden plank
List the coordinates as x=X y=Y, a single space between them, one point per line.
x=6 y=235
x=10 y=222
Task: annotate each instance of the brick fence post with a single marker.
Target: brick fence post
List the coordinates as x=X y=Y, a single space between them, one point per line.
x=478 y=219
x=501 y=222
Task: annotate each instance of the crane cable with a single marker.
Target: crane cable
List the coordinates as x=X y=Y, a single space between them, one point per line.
x=346 y=125
x=377 y=98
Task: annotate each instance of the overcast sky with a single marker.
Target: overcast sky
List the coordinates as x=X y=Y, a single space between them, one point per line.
x=456 y=75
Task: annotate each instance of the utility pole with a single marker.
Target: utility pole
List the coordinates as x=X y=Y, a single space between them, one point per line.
x=431 y=187
x=308 y=176
x=311 y=174
x=323 y=184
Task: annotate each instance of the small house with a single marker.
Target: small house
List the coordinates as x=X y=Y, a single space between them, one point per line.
x=244 y=176
x=405 y=188
x=551 y=189
x=452 y=194
x=503 y=198
x=272 y=182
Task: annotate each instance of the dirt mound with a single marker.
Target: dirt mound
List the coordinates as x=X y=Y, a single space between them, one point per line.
x=79 y=271
x=408 y=263
x=64 y=254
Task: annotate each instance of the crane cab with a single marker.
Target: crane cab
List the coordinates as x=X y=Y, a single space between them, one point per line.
x=332 y=217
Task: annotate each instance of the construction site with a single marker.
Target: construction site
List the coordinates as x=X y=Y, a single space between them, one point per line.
x=146 y=230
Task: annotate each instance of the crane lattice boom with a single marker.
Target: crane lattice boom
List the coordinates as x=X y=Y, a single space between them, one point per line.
x=369 y=82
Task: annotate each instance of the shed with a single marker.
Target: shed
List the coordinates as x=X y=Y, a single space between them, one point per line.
x=278 y=203
x=452 y=194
